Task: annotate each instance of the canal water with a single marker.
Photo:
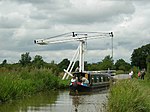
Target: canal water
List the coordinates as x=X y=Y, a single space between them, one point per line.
x=58 y=101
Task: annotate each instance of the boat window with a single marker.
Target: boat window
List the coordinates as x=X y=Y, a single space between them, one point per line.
x=92 y=79
x=95 y=79
x=102 y=79
x=107 y=79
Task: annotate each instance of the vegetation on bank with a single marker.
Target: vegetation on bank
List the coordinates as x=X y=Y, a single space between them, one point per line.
x=140 y=56
x=132 y=95
x=129 y=96
x=18 y=84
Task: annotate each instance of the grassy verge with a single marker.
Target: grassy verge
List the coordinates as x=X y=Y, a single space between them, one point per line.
x=18 y=84
x=129 y=96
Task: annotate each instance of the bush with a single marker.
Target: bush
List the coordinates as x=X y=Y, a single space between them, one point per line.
x=26 y=82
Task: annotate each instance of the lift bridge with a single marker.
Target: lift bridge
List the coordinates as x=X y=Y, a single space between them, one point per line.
x=82 y=38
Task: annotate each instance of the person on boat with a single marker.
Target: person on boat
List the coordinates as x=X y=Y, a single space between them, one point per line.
x=73 y=79
x=85 y=80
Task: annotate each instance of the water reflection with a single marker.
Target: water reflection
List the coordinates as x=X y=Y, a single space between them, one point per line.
x=57 y=101
x=94 y=102
x=30 y=103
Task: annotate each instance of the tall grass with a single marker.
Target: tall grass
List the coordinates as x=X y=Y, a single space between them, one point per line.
x=129 y=96
x=18 y=84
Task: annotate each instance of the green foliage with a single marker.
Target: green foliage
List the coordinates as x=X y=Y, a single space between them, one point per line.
x=120 y=72
x=93 y=67
x=148 y=64
x=4 y=62
x=148 y=67
x=25 y=59
x=135 y=71
x=38 y=61
x=148 y=59
x=129 y=96
x=122 y=65
x=63 y=64
x=16 y=84
x=106 y=63
x=139 y=56
x=148 y=71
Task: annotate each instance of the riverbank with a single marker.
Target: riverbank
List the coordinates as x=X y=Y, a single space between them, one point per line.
x=129 y=95
x=18 y=84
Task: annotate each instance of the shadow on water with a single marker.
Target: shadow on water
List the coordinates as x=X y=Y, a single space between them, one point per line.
x=58 y=101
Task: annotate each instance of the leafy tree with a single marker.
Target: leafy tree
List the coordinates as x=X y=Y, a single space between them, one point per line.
x=139 y=56
x=53 y=67
x=122 y=65
x=77 y=65
x=4 y=62
x=63 y=64
x=25 y=59
x=106 y=63
x=148 y=66
x=38 y=61
x=93 y=67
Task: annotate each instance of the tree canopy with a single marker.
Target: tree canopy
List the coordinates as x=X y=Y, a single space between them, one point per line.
x=106 y=63
x=63 y=64
x=38 y=61
x=25 y=59
x=139 y=56
x=4 y=62
x=122 y=65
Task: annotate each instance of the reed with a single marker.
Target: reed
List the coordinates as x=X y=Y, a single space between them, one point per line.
x=129 y=96
x=18 y=84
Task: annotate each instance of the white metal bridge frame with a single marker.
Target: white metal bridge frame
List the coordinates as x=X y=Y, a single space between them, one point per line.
x=82 y=38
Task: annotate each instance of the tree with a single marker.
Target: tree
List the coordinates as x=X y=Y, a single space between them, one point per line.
x=106 y=63
x=138 y=57
x=38 y=61
x=93 y=67
x=148 y=66
x=122 y=65
x=63 y=64
x=4 y=62
x=25 y=59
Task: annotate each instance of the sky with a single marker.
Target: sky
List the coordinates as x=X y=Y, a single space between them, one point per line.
x=23 y=21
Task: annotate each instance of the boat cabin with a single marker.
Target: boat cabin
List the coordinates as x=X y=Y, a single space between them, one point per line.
x=93 y=78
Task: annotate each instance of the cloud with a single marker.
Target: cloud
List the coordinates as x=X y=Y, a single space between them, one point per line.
x=22 y=21
x=81 y=12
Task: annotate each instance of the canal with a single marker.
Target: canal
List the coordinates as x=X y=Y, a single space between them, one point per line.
x=58 y=101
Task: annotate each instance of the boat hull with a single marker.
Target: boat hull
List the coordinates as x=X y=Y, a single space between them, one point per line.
x=76 y=88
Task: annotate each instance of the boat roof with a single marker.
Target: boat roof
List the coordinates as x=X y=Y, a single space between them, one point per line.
x=93 y=73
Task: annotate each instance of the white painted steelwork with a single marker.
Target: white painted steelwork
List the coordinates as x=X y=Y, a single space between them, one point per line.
x=82 y=37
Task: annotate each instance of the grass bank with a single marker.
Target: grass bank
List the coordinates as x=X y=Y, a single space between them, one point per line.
x=129 y=96
x=18 y=84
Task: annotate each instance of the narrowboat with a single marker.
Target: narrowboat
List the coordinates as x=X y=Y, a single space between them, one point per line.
x=89 y=81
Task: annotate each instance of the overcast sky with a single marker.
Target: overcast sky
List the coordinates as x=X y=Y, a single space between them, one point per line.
x=22 y=21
